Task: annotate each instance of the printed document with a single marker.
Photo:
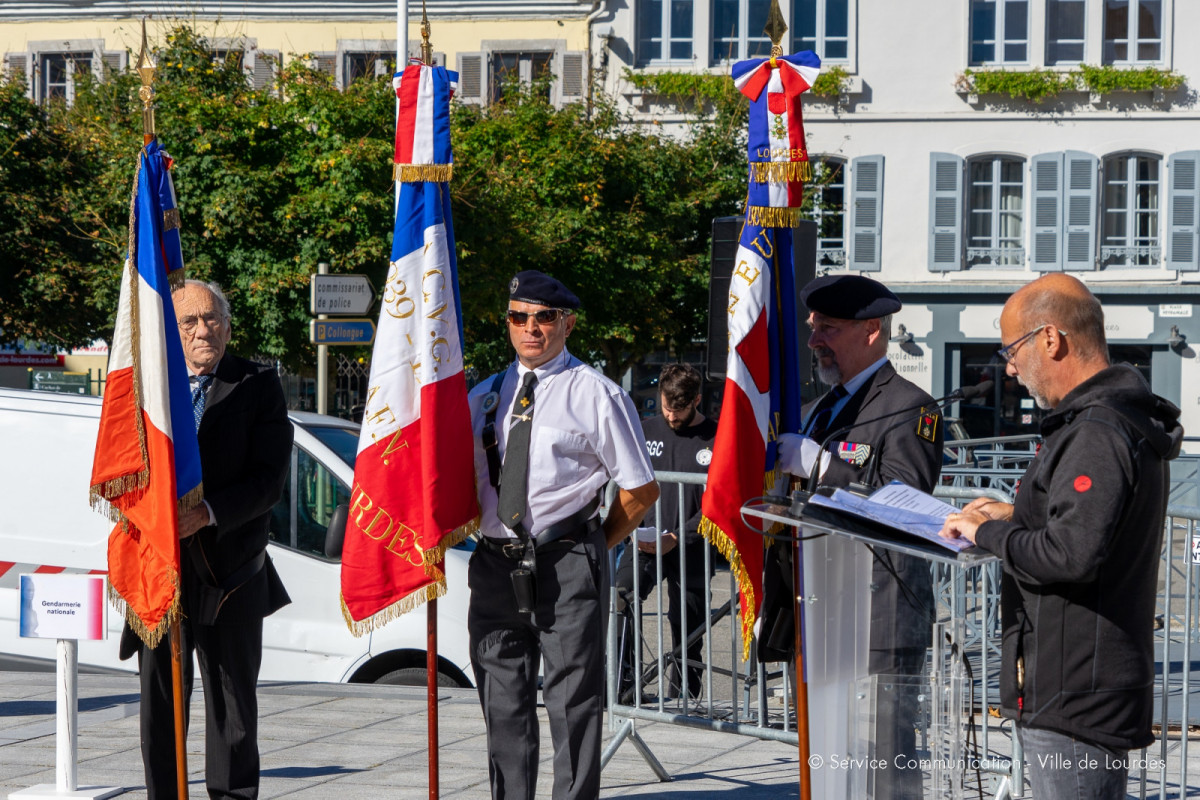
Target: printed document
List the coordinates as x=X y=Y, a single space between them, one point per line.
x=899 y=506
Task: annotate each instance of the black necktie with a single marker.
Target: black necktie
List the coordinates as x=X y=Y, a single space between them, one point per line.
x=514 y=475
x=823 y=415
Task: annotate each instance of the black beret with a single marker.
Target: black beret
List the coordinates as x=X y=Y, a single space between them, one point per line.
x=849 y=297
x=531 y=286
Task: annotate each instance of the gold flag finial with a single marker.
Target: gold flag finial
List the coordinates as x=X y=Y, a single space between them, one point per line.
x=146 y=68
x=426 y=46
x=775 y=28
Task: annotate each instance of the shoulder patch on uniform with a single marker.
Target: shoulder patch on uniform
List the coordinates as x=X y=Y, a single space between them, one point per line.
x=704 y=457
x=490 y=401
x=1083 y=483
x=927 y=424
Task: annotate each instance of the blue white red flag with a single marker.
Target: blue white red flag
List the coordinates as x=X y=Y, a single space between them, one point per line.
x=414 y=478
x=146 y=470
x=779 y=164
x=762 y=397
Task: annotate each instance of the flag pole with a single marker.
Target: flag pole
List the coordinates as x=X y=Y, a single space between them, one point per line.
x=775 y=28
x=146 y=69
x=431 y=623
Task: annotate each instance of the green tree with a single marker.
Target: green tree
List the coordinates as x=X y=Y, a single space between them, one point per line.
x=47 y=272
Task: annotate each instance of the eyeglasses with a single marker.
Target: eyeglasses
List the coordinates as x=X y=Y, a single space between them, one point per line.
x=1009 y=351
x=188 y=324
x=547 y=316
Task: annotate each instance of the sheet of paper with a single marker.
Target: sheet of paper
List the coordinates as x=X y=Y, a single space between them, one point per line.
x=924 y=525
x=900 y=495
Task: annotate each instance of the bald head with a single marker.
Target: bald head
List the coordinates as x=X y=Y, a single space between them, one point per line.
x=1065 y=302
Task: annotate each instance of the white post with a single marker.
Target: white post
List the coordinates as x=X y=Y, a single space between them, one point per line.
x=66 y=769
x=322 y=358
x=401 y=63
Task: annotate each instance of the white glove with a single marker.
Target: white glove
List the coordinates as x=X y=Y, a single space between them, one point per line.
x=797 y=453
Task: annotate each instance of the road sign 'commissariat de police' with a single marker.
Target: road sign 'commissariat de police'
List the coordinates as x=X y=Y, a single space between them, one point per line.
x=341 y=294
x=341 y=331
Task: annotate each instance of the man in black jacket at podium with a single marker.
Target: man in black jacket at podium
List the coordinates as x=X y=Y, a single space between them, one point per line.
x=850 y=321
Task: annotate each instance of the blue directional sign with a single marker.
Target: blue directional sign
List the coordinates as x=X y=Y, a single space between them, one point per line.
x=341 y=331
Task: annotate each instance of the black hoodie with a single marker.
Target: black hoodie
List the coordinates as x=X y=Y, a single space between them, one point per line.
x=1081 y=561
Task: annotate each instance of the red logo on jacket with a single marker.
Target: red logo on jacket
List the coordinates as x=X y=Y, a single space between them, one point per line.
x=1083 y=483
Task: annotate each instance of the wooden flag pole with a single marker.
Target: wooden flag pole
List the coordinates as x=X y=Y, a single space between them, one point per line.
x=146 y=69
x=431 y=681
x=181 y=776
x=431 y=644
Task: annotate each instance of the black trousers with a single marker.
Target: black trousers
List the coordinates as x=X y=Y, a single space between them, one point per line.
x=647 y=564
x=229 y=657
x=567 y=630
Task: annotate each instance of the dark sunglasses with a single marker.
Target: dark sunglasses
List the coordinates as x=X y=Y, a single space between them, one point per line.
x=547 y=316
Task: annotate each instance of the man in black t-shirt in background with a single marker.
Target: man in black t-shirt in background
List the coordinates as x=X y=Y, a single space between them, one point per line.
x=679 y=439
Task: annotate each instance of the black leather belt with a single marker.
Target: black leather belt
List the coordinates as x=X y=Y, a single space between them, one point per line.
x=514 y=548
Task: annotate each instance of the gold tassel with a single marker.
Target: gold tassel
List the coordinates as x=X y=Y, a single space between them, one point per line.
x=170 y=219
x=423 y=173
x=150 y=636
x=191 y=499
x=719 y=539
x=772 y=217
x=432 y=558
x=780 y=171
x=402 y=606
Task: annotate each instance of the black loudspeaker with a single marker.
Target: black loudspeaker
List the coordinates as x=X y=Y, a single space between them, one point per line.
x=725 y=233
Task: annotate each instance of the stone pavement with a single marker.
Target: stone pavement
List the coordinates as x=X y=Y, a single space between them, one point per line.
x=349 y=741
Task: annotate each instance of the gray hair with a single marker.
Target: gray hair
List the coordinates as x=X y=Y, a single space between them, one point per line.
x=215 y=289
x=885 y=327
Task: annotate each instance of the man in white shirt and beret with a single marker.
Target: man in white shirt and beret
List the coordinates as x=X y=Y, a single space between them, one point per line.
x=550 y=433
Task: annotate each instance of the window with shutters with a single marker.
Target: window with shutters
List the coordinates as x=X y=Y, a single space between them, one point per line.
x=827 y=194
x=737 y=30
x=52 y=69
x=822 y=26
x=368 y=65
x=1130 y=211
x=57 y=73
x=664 y=31
x=1133 y=32
x=999 y=32
x=995 y=212
x=512 y=72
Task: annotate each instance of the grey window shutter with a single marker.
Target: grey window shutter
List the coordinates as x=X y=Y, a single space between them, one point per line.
x=866 y=213
x=326 y=63
x=1183 y=212
x=472 y=78
x=265 y=62
x=945 y=212
x=114 y=61
x=18 y=64
x=571 y=77
x=1046 y=177
x=1080 y=174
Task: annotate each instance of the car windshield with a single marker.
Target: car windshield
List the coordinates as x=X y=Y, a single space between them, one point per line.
x=343 y=441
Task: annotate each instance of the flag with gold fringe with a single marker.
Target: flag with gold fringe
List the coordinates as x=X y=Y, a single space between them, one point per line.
x=146 y=471
x=414 y=477
x=762 y=378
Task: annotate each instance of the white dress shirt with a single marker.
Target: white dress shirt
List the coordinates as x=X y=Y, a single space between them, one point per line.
x=585 y=432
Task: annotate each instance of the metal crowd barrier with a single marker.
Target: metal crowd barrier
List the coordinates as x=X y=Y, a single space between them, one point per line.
x=752 y=699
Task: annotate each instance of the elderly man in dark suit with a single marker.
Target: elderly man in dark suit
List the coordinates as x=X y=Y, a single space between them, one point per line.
x=228 y=583
x=850 y=318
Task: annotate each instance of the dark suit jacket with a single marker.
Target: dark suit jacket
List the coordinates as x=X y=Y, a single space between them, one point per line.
x=901 y=610
x=245 y=447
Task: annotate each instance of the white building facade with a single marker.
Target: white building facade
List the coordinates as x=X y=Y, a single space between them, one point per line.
x=954 y=197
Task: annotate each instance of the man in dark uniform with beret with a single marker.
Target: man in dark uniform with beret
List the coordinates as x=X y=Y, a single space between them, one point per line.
x=850 y=319
x=550 y=433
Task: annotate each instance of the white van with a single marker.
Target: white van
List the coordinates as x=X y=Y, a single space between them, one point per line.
x=47 y=442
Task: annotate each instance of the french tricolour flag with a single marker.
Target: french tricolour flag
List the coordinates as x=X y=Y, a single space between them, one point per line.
x=414 y=477
x=762 y=397
x=146 y=470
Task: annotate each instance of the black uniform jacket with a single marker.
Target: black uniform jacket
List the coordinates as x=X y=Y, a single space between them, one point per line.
x=245 y=447
x=1081 y=557
x=901 y=604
